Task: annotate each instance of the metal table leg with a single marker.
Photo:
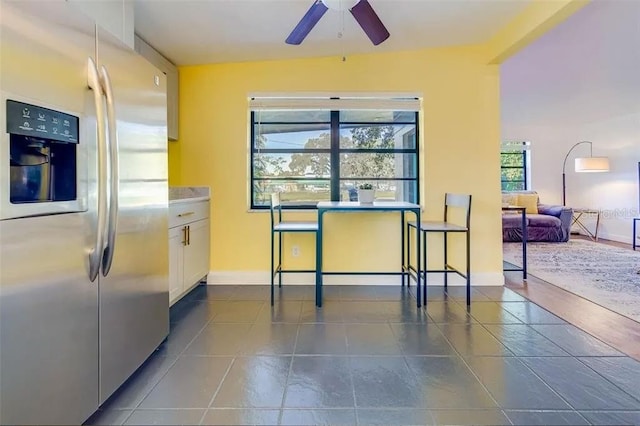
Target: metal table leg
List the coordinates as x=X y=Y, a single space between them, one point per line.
x=525 y=237
x=319 y=260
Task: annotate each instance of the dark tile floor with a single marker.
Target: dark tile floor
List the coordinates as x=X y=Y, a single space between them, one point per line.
x=370 y=357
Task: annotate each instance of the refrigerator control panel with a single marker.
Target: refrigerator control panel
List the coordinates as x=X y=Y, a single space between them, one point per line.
x=31 y=120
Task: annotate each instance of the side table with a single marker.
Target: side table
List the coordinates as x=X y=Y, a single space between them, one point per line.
x=580 y=214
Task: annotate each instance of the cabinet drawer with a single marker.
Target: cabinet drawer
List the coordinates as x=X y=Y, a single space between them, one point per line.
x=182 y=213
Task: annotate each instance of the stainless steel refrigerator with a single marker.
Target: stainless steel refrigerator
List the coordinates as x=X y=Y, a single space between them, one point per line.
x=83 y=213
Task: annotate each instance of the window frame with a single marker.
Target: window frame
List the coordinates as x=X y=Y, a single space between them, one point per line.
x=524 y=167
x=334 y=152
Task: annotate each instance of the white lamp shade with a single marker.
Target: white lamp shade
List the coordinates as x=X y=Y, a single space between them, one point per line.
x=592 y=164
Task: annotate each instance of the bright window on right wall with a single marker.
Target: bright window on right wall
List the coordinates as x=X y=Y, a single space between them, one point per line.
x=515 y=166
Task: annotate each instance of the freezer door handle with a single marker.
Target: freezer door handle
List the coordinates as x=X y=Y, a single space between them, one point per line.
x=95 y=253
x=114 y=172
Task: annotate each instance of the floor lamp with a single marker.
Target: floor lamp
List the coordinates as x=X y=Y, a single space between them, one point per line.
x=588 y=164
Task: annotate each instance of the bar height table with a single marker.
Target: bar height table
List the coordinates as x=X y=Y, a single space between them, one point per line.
x=377 y=206
x=525 y=236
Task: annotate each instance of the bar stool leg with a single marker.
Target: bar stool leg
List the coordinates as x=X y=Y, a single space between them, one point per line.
x=280 y=259
x=402 y=247
x=446 y=273
x=272 y=264
x=424 y=268
x=468 y=268
x=408 y=258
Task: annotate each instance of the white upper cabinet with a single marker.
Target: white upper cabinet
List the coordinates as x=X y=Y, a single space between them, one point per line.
x=115 y=16
x=171 y=71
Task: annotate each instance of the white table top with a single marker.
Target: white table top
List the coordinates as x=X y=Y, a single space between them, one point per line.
x=376 y=205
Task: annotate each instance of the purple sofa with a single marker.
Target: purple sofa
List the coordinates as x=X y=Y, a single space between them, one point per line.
x=551 y=224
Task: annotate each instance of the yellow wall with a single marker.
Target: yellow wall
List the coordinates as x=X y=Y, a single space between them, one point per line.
x=459 y=141
x=174 y=163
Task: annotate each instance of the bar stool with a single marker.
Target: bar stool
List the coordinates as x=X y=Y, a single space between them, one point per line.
x=279 y=226
x=452 y=202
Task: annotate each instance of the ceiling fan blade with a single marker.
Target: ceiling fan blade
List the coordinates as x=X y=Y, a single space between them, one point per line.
x=306 y=24
x=369 y=21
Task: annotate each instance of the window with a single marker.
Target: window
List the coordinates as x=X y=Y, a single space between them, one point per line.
x=313 y=155
x=514 y=166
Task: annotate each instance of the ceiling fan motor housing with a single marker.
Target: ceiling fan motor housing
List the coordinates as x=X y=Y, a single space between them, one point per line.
x=340 y=4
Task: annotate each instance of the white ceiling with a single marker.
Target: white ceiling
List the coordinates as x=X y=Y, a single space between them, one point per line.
x=190 y=32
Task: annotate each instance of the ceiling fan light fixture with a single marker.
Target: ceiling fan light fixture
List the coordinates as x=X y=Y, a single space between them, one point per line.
x=340 y=5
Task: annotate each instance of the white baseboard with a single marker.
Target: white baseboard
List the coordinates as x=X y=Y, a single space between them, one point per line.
x=625 y=239
x=262 y=278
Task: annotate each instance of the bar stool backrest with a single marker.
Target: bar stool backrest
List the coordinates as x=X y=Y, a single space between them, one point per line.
x=276 y=205
x=461 y=202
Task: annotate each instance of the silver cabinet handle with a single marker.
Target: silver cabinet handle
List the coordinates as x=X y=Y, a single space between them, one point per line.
x=95 y=253
x=114 y=176
x=186 y=214
x=184 y=236
x=188 y=235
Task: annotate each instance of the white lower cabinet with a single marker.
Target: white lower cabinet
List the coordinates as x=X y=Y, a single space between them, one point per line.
x=188 y=247
x=176 y=263
x=196 y=252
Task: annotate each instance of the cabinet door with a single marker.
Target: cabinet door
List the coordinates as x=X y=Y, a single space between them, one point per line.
x=172 y=103
x=176 y=263
x=196 y=252
x=173 y=81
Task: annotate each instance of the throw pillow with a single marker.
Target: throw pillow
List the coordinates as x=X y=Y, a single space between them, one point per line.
x=509 y=199
x=529 y=201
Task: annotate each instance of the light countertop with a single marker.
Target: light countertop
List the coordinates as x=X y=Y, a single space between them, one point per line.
x=188 y=194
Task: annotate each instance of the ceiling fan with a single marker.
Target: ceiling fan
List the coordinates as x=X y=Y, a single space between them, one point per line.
x=360 y=9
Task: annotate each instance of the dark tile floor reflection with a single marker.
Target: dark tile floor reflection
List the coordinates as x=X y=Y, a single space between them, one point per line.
x=370 y=357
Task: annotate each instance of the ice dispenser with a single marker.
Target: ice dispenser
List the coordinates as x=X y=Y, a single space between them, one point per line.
x=43 y=161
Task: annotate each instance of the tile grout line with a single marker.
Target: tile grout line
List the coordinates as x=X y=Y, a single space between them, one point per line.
x=286 y=382
x=568 y=355
x=215 y=393
x=530 y=369
x=233 y=359
x=137 y=406
x=466 y=364
x=604 y=377
x=179 y=354
x=353 y=391
x=353 y=386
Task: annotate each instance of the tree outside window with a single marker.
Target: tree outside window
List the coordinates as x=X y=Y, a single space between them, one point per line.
x=514 y=164
x=310 y=156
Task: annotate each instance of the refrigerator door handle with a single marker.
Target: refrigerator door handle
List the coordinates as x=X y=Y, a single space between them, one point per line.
x=95 y=253
x=107 y=259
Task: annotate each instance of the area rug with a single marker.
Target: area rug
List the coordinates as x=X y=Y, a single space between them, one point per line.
x=601 y=273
